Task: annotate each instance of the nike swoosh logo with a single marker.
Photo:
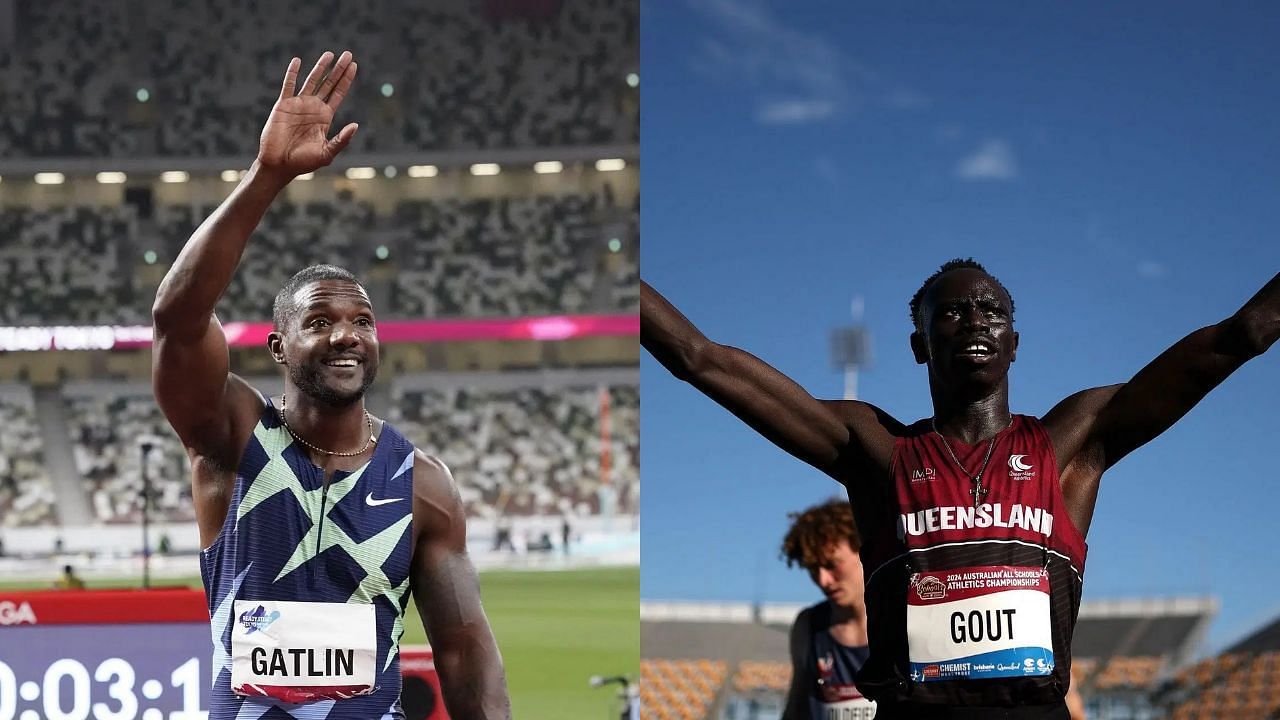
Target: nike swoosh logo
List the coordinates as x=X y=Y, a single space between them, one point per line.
x=368 y=500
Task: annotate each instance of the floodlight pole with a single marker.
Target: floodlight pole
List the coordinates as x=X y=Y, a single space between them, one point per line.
x=851 y=349
x=146 y=515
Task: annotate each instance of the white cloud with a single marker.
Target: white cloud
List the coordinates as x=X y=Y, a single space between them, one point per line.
x=993 y=160
x=797 y=76
x=790 y=112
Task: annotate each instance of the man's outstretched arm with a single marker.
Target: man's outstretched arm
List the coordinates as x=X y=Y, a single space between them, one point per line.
x=190 y=373
x=447 y=593
x=1114 y=421
x=820 y=433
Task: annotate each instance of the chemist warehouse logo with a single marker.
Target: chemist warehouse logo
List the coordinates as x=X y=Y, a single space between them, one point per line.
x=258 y=619
x=1019 y=468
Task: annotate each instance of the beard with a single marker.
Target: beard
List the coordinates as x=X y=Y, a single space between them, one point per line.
x=309 y=382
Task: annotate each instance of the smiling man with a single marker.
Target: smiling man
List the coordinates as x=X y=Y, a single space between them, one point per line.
x=973 y=521
x=317 y=519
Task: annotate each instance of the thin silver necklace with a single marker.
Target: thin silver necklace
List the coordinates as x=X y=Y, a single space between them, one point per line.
x=978 y=492
x=368 y=421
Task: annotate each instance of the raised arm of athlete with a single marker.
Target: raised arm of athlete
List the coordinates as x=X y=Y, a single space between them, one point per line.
x=447 y=592
x=211 y=409
x=1092 y=430
x=837 y=437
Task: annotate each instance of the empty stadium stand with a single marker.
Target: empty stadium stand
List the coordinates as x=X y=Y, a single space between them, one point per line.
x=518 y=444
x=537 y=255
x=679 y=689
x=26 y=497
x=109 y=430
x=529 y=451
x=753 y=676
x=508 y=256
x=1241 y=682
x=65 y=265
x=196 y=79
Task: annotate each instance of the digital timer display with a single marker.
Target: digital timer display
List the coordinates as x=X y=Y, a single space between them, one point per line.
x=108 y=655
x=108 y=672
x=126 y=654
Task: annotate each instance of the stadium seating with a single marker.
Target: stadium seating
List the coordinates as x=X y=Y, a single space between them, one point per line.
x=108 y=432
x=506 y=257
x=187 y=85
x=753 y=676
x=1209 y=670
x=511 y=256
x=515 y=453
x=626 y=283
x=459 y=74
x=1234 y=685
x=290 y=238
x=66 y=265
x=1082 y=669
x=1129 y=672
x=529 y=451
x=26 y=497
x=679 y=689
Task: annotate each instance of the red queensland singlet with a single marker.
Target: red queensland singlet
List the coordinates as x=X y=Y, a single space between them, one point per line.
x=970 y=602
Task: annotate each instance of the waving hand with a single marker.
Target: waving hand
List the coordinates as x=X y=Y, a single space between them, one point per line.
x=296 y=138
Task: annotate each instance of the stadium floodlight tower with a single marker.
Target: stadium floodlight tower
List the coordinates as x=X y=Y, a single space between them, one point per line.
x=146 y=444
x=851 y=349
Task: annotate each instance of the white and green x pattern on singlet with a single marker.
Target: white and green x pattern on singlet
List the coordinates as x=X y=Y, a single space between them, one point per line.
x=277 y=476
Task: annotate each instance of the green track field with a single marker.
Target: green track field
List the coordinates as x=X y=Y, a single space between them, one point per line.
x=555 y=629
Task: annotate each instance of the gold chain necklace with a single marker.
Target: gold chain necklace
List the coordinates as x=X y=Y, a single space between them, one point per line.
x=978 y=492
x=367 y=418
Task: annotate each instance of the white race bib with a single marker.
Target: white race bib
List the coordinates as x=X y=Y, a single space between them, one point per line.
x=979 y=623
x=856 y=709
x=302 y=651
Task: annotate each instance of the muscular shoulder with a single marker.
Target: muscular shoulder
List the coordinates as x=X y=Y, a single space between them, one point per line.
x=873 y=428
x=857 y=414
x=1080 y=405
x=436 y=501
x=1071 y=423
x=432 y=481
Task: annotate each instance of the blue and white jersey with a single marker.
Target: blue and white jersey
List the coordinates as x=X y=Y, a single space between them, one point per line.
x=288 y=539
x=832 y=667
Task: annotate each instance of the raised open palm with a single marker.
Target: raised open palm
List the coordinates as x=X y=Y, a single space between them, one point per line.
x=296 y=138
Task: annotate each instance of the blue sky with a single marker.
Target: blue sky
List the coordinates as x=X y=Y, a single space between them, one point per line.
x=1115 y=167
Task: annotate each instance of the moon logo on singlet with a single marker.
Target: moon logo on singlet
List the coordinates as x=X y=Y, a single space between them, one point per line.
x=1016 y=463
